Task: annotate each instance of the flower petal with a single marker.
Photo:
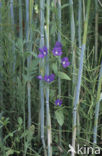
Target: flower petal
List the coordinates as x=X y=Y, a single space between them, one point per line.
x=40 y=56
x=40 y=77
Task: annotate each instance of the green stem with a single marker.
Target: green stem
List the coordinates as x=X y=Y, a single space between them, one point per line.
x=79 y=42
x=72 y=28
x=97 y=107
x=1 y=60
x=28 y=62
x=41 y=69
x=79 y=22
x=77 y=92
x=49 y=136
x=20 y=20
x=96 y=31
x=12 y=25
x=59 y=80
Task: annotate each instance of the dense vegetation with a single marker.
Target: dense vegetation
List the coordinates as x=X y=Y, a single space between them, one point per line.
x=50 y=76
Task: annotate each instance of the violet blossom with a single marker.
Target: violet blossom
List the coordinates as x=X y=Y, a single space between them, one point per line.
x=65 y=62
x=49 y=78
x=43 y=52
x=58 y=102
x=40 y=77
x=57 y=50
x=58 y=44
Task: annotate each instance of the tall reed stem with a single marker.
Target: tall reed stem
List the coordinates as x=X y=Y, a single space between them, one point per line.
x=41 y=69
x=22 y=67
x=20 y=20
x=59 y=39
x=79 y=23
x=77 y=93
x=1 y=76
x=49 y=136
x=28 y=62
x=79 y=44
x=97 y=107
x=0 y=14
x=12 y=24
x=1 y=58
x=96 y=31
x=72 y=28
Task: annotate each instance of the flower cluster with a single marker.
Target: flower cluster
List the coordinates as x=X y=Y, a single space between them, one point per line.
x=47 y=78
x=57 y=51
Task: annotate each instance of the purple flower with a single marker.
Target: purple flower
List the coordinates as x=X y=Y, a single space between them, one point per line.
x=52 y=76
x=58 y=44
x=57 y=50
x=49 y=78
x=43 y=52
x=40 y=77
x=58 y=102
x=65 y=62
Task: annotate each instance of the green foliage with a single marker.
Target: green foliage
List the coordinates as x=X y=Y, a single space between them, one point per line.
x=59 y=116
x=63 y=75
x=16 y=139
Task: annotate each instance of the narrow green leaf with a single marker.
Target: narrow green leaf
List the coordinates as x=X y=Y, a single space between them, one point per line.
x=63 y=75
x=60 y=117
x=65 y=5
x=30 y=9
x=54 y=68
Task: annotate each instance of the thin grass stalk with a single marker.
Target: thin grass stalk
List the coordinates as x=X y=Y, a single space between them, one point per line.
x=31 y=17
x=12 y=14
x=1 y=76
x=79 y=45
x=97 y=107
x=96 y=31
x=53 y=19
x=79 y=23
x=20 y=20
x=28 y=63
x=23 y=102
x=84 y=10
x=27 y=20
x=29 y=103
x=1 y=114
x=77 y=93
x=41 y=69
x=12 y=24
x=21 y=32
x=24 y=113
x=72 y=29
x=13 y=63
x=23 y=66
x=49 y=136
x=1 y=62
x=1 y=131
x=59 y=39
x=30 y=47
x=1 y=134
x=0 y=14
